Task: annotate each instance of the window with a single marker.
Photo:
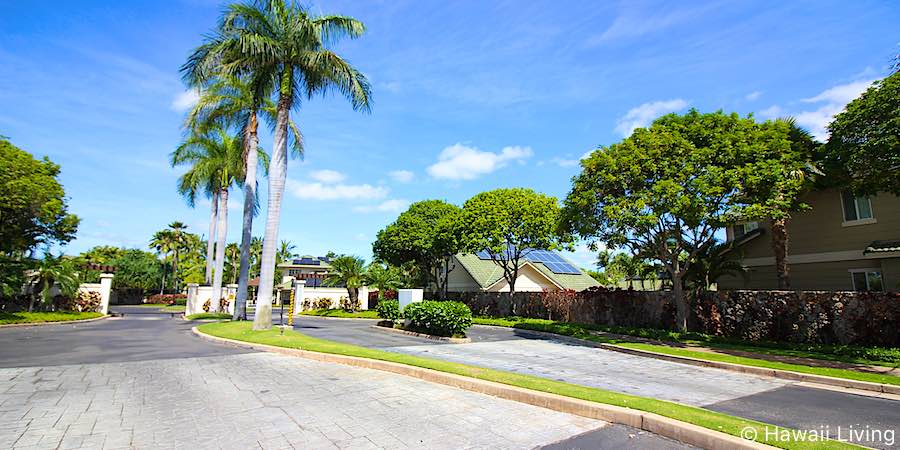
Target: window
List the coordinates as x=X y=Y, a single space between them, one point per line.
x=856 y=208
x=743 y=228
x=867 y=280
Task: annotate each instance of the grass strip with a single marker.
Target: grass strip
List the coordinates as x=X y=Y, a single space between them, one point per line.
x=208 y=316
x=585 y=332
x=173 y=308
x=365 y=314
x=43 y=317
x=242 y=331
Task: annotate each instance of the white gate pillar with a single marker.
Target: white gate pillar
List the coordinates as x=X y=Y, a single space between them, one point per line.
x=105 y=290
x=299 y=287
x=407 y=296
x=191 y=306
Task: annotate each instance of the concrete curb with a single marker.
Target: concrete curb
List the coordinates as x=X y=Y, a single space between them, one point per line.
x=451 y=340
x=654 y=423
x=62 y=322
x=752 y=370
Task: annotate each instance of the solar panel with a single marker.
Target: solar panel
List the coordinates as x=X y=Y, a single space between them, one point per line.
x=483 y=254
x=562 y=267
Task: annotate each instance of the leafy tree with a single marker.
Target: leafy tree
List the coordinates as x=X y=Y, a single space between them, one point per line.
x=509 y=223
x=33 y=205
x=667 y=189
x=427 y=234
x=619 y=266
x=179 y=235
x=863 y=151
x=163 y=242
x=271 y=39
x=383 y=277
x=349 y=271
x=715 y=260
x=286 y=253
x=53 y=271
x=137 y=269
x=12 y=274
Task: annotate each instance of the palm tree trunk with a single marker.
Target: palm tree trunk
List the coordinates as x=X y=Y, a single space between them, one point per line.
x=175 y=270
x=221 y=232
x=240 y=308
x=277 y=174
x=780 y=247
x=210 y=241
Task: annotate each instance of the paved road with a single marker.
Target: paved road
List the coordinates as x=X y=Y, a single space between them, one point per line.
x=143 y=381
x=769 y=400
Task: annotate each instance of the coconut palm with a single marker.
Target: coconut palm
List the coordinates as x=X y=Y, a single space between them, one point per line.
x=232 y=102
x=256 y=245
x=179 y=244
x=52 y=271
x=233 y=259
x=271 y=38
x=217 y=163
x=384 y=277
x=714 y=261
x=164 y=243
x=349 y=271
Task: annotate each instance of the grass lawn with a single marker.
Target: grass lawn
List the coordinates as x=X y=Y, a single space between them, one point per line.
x=584 y=332
x=150 y=305
x=366 y=314
x=40 y=317
x=209 y=316
x=173 y=308
x=708 y=419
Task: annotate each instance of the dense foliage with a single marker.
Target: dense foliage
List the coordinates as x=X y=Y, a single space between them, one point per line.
x=389 y=310
x=438 y=318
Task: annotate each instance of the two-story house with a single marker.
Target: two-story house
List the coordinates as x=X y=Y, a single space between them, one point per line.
x=843 y=243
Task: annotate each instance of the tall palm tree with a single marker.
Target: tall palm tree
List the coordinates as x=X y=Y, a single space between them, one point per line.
x=233 y=259
x=349 y=271
x=290 y=44
x=179 y=242
x=233 y=102
x=164 y=243
x=217 y=162
x=256 y=245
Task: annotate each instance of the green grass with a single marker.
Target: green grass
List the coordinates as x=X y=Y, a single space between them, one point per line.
x=150 y=305
x=366 y=314
x=584 y=332
x=173 y=308
x=208 y=316
x=708 y=419
x=41 y=317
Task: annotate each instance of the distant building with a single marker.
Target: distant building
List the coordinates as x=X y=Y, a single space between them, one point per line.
x=313 y=269
x=541 y=270
x=843 y=243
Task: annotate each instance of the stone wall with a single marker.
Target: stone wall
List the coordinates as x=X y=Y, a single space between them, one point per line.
x=861 y=318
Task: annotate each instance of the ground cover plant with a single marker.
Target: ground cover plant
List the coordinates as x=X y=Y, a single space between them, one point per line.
x=49 y=316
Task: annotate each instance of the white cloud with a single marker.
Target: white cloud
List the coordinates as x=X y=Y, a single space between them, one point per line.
x=634 y=23
x=563 y=162
x=327 y=176
x=460 y=162
x=393 y=205
x=753 y=95
x=235 y=200
x=320 y=191
x=832 y=101
x=644 y=114
x=401 y=176
x=772 y=112
x=185 y=100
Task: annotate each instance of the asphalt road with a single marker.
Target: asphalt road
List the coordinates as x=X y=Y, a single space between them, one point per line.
x=778 y=402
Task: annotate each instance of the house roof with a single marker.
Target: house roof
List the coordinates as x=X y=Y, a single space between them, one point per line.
x=308 y=261
x=487 y=273
x=883 y=246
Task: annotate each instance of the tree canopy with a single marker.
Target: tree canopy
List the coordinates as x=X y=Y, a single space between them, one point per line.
x=33 y=204
x=863 y=151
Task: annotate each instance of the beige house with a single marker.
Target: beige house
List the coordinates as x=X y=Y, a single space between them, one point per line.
x=542 y=270
x=306 y=265
x=843 y=243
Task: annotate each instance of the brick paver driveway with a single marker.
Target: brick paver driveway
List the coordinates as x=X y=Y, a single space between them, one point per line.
x=130 y=392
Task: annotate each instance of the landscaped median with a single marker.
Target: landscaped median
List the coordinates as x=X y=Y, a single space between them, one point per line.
x=209 y=316
x=634 y=414
x=600 y=335
x=36 y=318
x=340 y=313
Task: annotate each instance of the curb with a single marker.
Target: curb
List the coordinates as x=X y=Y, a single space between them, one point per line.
x=752 y=370
x=451 y=340
x=336 y=318
x=654 y=423
x=61 y=322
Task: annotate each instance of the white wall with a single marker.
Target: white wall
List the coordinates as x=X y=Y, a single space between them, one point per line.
x=333 y=293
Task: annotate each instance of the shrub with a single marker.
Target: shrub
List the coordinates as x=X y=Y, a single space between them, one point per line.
x=306 y=304
x=169 y=299
x=439 y=318
x=322 y=303
x=88 y=301
x=389 y=310
x=349 y=305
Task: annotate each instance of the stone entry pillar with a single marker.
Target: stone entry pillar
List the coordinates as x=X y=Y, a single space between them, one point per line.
x=191 y=306
x=299 y=287
x=407 y=296
x=105 y=290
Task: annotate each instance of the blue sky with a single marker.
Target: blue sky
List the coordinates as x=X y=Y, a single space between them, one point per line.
x=469 y=96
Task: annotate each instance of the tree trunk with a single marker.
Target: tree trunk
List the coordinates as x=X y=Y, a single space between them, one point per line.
x=780 y=248
x=162 y=286
x=354 y=296
x=240 y=308
x=681 y=306
x=277 y=174
x=175 y=270
x=221 y=234
x=211 y=240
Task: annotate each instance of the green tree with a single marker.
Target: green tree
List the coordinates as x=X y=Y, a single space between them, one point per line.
x=163 y=242
x=289 y=44
x=233 y=261
x=179 y=233
x=667 y=189
x=53 y=271
x=509 y=223
x=863 y=152
x=621 y=266
x=383 y=277
x=427 y=234
x=349 y=271
x=137 y=269
x=33 y=204
x=715 y=260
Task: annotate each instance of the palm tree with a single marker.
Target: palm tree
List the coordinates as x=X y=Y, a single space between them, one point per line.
x=217 y=162
x=289 y=44
x=53 y=271
x=163 y=242
x=179 y=243
x=256 y=245
x=233 y=259
x=349 y=271
x=714 y=260
x=229 y=102
x=383 y=277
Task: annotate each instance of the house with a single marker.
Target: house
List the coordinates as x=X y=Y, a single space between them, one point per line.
x=843 y=243
x=541 y=270
x=313 y=269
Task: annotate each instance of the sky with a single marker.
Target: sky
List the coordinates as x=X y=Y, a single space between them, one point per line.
x=468 y=97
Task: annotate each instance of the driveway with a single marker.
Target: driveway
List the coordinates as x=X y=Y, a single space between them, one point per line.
x=770 y=400
x=143 y=381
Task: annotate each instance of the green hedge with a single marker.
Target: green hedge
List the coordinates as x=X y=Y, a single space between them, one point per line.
x=439 y=318
x=389 y=310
